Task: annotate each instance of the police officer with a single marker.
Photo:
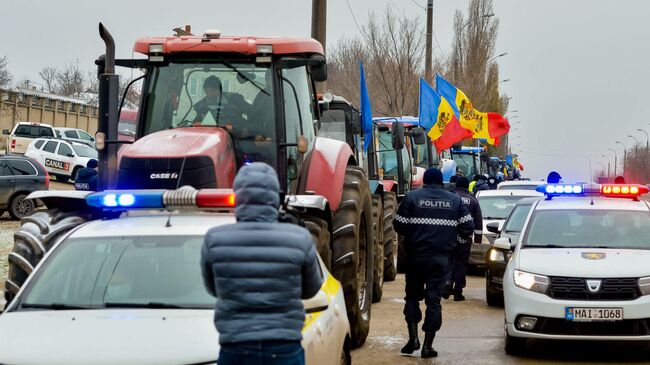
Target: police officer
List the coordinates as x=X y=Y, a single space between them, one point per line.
x=458 y=269
x=430 y=219
x=87 y=177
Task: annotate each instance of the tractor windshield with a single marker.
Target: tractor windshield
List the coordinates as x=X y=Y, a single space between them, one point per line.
x=235 y=96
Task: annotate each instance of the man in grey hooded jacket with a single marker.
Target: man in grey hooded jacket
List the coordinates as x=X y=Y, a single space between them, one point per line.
x=260 y=269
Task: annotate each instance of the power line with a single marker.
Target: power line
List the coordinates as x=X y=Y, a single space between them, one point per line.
x=438 y=43
x=419 y=6
x=355 y=19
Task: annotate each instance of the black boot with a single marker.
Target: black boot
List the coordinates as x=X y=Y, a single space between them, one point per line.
x=427 y=347
x=414 y=341
x=458 y=296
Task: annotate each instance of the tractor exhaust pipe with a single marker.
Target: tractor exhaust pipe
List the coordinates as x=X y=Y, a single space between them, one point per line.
x=109 y=83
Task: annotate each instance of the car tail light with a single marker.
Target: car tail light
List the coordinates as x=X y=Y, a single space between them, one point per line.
x=13 y=143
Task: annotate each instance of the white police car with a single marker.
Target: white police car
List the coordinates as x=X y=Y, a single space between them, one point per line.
x=61 y=158
x=580 y=269
x=130 y=291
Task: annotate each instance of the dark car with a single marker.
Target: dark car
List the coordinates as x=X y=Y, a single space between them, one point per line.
x=498 y=259
x=19 y=176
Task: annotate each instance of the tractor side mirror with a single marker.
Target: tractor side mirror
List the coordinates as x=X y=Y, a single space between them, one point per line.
x=318 y=68
x=5 y=132
x=419 y=137
x=397 y=134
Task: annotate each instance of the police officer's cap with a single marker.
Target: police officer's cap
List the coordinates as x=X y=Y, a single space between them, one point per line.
x=432 y=176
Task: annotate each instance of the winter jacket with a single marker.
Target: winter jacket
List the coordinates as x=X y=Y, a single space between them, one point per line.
x=481 y=184
x=86 y=179
x=470 y=201
x=259 y=269
x=431 y=219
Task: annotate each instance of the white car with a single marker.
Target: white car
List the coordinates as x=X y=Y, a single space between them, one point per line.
x=76 y=134
x=496 y=206
x=520 y=185
x=130 y=291
x=60 y=157
x=580 y=269
x=23 y=133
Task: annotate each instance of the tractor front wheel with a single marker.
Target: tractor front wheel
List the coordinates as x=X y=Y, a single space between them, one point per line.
x=353 y=251
x=390 y=237
x=378 y=233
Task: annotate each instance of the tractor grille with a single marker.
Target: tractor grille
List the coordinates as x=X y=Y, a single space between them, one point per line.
x=163 y=173
x=610 y=289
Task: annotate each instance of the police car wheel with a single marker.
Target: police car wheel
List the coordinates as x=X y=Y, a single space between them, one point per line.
x=19 y=207
x=75 y=172
x=390 y=237
x=378 y=235
x=37 y=233
x=353 y=251
x=62 y=178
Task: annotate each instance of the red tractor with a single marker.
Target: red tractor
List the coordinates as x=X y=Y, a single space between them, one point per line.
x=211 y=104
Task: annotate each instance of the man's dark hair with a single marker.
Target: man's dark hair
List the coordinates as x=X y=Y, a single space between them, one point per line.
x=462 y=182
x=212 y=82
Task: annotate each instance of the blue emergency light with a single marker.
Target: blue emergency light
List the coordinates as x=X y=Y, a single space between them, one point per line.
x=159 y=199
x=561 y=189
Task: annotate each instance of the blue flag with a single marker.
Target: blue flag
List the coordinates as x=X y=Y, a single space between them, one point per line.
x=366 y=109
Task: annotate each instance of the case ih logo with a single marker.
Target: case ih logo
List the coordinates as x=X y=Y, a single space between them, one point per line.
x=57 y=164
x=163 y=176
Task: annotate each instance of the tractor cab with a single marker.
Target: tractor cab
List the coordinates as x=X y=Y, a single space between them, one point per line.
x=212 y=104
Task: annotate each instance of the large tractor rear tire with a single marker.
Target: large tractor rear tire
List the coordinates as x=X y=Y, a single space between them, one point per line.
x=378 y=235
x=390 y=237
x=321 y=236
x=353 y=251
x=37 y=234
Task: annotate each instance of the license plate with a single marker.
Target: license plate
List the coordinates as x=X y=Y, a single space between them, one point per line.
x=593 y=314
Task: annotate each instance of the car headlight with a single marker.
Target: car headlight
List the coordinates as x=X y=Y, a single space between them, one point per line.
x=497 y=256
x=532 y=282
x=644 y=285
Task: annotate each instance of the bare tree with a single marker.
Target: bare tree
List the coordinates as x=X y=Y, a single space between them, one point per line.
x=5 y=76
x=70 y=81
x=49 y=77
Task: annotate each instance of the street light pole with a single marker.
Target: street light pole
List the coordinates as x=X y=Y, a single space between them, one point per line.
x=624 y=155
x=615 y=158
x=458 y=59
x=497 y=56
x=647 y=138
x=608 y=165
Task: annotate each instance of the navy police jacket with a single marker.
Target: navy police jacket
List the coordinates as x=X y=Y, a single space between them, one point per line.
x=431 y=219
x=474 y=209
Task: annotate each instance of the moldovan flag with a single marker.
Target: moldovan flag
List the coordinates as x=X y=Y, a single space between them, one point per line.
x=487 y=126
x=366 y=109
x=437 y=117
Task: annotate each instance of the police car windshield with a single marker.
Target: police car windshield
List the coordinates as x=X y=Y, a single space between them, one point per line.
x=151 y=272
x=497 y=207
x=85 y=151
x=617 y=229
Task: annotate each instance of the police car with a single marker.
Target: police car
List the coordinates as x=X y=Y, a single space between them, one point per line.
x=130 y=291
x=61 y=158
x=580 y=269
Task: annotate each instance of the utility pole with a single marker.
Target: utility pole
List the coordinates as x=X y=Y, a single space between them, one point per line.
x=429 y=50
x=319 y=28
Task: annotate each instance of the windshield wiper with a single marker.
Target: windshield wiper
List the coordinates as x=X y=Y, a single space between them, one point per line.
x=53 y=306
x=230 y=66
x=493 y=218
x=155 y=305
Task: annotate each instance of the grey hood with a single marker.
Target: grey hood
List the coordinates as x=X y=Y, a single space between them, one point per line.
x=257 y=193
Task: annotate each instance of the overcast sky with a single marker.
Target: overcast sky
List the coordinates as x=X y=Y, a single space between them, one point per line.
x=575 y=66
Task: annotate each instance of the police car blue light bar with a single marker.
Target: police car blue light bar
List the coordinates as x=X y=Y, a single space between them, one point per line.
x=561 y=189
x=160 y=199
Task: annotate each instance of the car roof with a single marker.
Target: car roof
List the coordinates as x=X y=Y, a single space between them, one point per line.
x=56 y=139
x=154 y=224
x=528 y=193
x=585 y=202
x=35 y=123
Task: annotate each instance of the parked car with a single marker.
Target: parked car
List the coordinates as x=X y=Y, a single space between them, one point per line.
x=19 y=176
x=498 y=259
x=126 y=127
x=61 y=158
x=24 y=133
x=77 y=135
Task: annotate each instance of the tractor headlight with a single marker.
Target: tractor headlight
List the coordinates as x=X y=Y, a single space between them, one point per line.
x=497 y=256
x=532 y=282
x=644 y=285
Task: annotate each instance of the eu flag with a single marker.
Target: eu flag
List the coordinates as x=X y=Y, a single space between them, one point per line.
x=366 y=109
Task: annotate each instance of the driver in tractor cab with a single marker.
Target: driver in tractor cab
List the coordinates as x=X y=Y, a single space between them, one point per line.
x=212 y=101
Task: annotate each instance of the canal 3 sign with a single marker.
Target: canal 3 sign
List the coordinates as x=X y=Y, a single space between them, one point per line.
x=57 y=164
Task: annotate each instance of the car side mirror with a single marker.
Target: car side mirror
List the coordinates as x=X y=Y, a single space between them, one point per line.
x=419 y=136
x=5 y=132
x=397 y=134
x=317 y=303
x=502 y=243
x=493 y=227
